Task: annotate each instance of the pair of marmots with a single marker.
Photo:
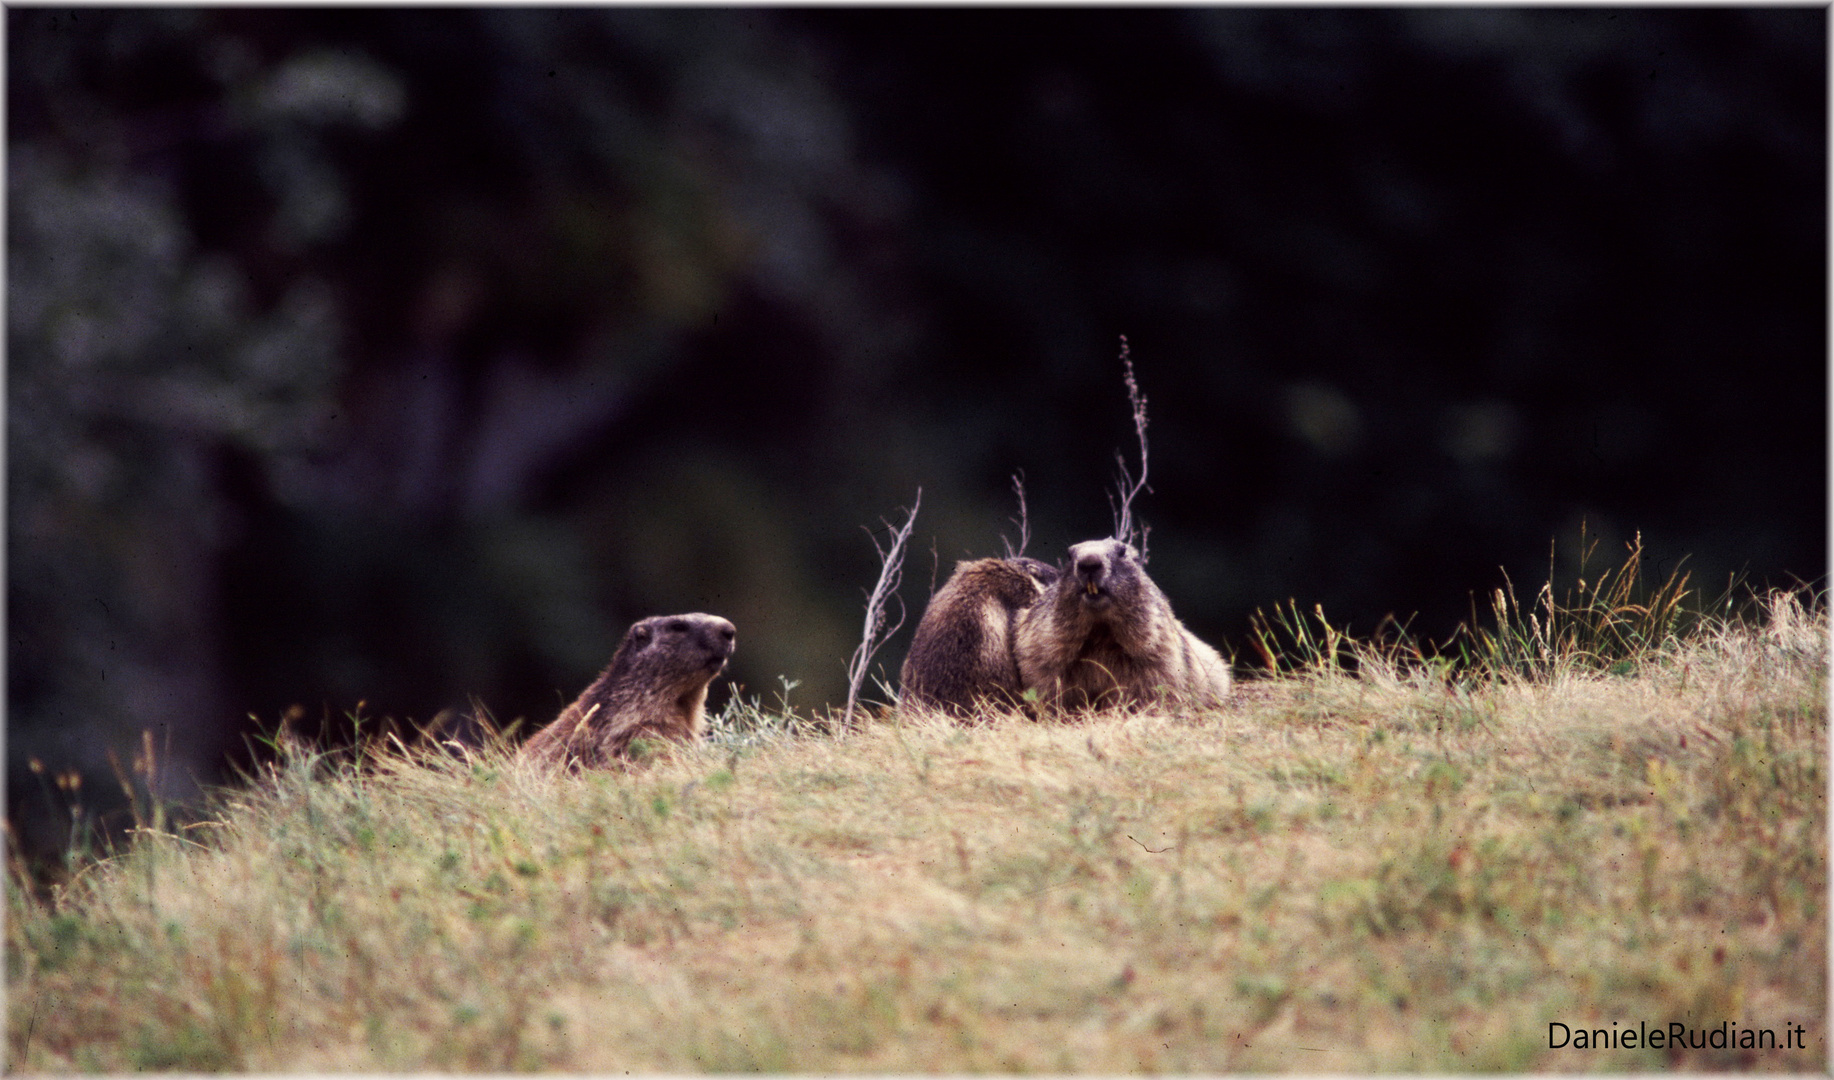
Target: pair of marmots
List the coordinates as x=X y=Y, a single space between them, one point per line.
x=1095 y=633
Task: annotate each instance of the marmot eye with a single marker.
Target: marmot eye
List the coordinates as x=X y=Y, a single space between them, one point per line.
x=678 y=626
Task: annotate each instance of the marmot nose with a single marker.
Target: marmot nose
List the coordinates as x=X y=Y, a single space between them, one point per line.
x=1090 y=566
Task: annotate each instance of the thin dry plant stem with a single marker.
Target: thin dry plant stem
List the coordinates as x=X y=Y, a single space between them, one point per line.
x=1024 y=520
x=875 y=634
x=1124 y=528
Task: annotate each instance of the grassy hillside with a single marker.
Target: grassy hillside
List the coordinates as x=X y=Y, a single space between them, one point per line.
x=1405 y=866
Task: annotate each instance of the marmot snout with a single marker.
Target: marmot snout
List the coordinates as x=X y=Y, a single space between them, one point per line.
x=1094 y=566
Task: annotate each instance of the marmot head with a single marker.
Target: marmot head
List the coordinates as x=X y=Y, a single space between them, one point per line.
x=693 y=644
x=1104 y=574
x=1040 y=571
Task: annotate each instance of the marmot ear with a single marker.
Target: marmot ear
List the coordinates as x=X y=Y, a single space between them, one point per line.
x=640 y=632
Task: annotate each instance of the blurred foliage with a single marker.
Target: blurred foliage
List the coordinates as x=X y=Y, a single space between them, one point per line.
x=137 y=360
x=406 y=356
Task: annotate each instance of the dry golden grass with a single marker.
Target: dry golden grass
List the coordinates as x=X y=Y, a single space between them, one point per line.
x=1340 y=873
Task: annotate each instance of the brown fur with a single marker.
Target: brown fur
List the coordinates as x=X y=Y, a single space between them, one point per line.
x=655 y=688
x=1104 y=636
x=962 y=655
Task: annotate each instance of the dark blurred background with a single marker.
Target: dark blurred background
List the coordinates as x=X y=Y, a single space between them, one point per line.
x=406 y=356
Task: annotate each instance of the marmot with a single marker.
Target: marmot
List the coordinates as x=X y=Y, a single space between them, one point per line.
x=654 y=688
x=1104 y=636
x=962 y=654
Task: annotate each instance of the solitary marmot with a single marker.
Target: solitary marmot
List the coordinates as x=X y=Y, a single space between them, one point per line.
x=1104 y=636
x=654 y=688
x=962 y=655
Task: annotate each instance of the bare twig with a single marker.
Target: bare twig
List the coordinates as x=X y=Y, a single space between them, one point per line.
x=891 y=573
x=1124 y=527
x=1024 y=520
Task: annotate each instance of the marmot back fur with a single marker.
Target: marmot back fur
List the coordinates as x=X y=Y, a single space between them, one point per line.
x=654 y=688
x=1104 y=636
x=962 y=654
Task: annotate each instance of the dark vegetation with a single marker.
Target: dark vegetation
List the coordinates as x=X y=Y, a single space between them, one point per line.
x=406 y=357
